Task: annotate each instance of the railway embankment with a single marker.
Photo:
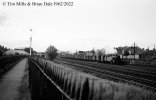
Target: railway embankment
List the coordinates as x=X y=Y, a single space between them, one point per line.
x=136 y=75
x=50 y=80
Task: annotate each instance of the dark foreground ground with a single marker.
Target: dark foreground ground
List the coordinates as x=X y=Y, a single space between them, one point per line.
x=11 y=81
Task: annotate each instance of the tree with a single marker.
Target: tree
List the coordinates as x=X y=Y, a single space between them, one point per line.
x=101 y=51
x=126 y=53
x=1 y=52
x=16 y=54
x=51 y=52
x=27 y=49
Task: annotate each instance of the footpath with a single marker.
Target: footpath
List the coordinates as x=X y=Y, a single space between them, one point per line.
x=11 y=81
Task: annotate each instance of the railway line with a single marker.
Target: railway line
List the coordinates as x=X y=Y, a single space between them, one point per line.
x=142 y=77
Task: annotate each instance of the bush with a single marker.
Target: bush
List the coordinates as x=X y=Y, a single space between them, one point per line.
x=4 y=60
x=8 y=62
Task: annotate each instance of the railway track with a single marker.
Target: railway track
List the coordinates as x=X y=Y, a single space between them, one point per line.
x=130 y=75
x=137 y=71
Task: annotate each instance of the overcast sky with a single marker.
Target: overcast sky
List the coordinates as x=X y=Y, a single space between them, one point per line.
x=86 y=25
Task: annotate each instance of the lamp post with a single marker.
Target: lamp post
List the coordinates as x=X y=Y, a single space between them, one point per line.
x=30 y=40
x=134 y=50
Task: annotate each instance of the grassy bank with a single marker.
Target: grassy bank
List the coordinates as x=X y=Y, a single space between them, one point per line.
x=80 y=86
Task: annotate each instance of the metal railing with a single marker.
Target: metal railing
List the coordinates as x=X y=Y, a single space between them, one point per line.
x=52 y=82
x=54 y=91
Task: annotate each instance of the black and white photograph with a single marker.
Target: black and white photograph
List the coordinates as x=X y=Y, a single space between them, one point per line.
x=77 y=50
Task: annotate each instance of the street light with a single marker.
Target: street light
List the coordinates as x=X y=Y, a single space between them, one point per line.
x=30 y=40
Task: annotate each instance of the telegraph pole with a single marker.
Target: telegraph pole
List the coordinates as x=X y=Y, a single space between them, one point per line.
x=134 y=50
x=30 y=41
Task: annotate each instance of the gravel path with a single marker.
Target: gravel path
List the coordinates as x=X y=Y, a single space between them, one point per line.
x=11 y=81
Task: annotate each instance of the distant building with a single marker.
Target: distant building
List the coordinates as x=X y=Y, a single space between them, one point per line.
x=80 y=52
x=90 y=53
x=41 y=54
x=19 y=49
x=122 y=50
x=148 y=54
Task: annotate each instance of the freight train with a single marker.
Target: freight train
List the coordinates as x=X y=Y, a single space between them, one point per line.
x=111 y=58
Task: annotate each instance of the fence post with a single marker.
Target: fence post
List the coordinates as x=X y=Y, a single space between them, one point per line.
x=85 y=90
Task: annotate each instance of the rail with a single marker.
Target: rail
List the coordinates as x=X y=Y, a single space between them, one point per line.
x=113 y=73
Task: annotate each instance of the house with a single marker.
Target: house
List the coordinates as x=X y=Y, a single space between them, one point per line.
x=41 y=54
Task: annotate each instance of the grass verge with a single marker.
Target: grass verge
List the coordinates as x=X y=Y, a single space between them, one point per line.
x=8 y=67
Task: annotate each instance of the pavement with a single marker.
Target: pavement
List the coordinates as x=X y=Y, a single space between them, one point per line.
x=11 y=81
